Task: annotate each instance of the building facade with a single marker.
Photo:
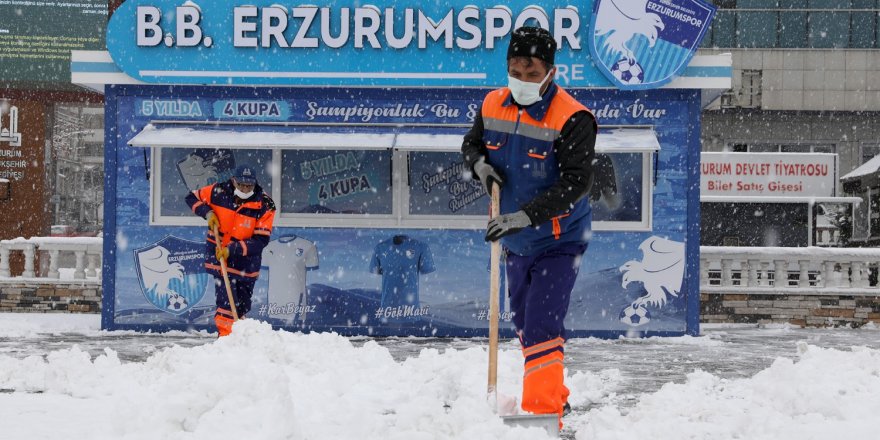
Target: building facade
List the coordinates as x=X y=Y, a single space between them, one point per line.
x=804 y=81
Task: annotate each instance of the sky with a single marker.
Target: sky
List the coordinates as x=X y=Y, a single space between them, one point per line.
x=267 y=384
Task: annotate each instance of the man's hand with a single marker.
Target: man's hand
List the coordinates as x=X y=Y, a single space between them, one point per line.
x=507 y=224
x=487 y=174
x=213 y=221
x=221 y=252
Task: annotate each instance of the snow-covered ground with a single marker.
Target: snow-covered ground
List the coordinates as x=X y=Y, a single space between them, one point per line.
x=60 y=376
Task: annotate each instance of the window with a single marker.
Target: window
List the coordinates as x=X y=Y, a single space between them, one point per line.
x=795 y=24
x=437 y=188
x=772 y=147
x=183 y=170
x=414 y=180
x=346 y=182
x=869 y=151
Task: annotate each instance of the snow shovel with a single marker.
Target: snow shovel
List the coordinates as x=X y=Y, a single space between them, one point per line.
x=548 y=422
x=226 y=278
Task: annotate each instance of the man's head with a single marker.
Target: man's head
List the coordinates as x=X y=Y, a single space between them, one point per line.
x=530 y=57
x=244 y=179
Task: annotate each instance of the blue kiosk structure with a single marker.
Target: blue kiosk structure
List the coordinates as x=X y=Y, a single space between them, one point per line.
x=353 y=116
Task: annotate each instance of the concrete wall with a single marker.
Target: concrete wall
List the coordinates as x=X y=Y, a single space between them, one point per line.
x=811 y=79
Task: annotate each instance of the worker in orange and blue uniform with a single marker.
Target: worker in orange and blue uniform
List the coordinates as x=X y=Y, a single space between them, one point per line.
x=243 y=214
x=538 y=143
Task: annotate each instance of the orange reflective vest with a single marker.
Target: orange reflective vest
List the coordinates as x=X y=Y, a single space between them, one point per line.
x=245 y=226
x=520 y=143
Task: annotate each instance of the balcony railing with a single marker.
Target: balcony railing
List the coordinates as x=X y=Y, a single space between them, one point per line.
x=83 y=252
x=812 y=270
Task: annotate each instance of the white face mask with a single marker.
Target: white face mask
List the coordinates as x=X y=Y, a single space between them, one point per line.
x=526 y=93
x=243 y=195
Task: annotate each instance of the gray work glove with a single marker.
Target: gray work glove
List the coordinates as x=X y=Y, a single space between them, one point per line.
x=507 y=224
x=487 y=174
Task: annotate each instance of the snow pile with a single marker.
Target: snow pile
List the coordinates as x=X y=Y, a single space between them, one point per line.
x=260 y=383
x=825 y=394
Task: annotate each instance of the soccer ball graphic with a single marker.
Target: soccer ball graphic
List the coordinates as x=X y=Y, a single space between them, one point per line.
x=176 y=303
x=628 y=72
x=635 y=315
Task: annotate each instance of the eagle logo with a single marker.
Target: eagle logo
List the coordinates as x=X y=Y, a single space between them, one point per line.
x=619 y=21
x=171 y=273
x=661 y=272
x=643 y=44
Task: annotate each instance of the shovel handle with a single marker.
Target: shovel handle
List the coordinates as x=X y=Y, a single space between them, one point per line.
x=226 y=277
x=494 y=290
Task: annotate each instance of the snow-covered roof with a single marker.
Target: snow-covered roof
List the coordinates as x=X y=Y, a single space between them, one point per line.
x=444 y=139
x=867 y=168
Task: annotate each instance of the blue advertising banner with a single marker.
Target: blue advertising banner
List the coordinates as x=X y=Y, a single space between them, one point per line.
x=440 y=44
x=381 y=279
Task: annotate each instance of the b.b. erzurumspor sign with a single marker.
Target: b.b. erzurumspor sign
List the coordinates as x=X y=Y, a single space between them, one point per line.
x=397 y=43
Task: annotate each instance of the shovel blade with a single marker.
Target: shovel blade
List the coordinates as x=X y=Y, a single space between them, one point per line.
x=547 y=422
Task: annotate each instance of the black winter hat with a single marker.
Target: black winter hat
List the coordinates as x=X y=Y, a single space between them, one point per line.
x=529 y=41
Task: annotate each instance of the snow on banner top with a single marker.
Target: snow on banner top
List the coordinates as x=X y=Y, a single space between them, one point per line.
x=344 y=42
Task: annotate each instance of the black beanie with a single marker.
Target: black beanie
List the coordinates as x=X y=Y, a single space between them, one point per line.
x=529 y=41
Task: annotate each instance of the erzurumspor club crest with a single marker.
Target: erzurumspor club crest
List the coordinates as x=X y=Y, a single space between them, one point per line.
x=644 y=44
x=172 y=274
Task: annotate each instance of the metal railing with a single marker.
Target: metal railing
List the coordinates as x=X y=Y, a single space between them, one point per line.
x=814 y=270
x=86 y=253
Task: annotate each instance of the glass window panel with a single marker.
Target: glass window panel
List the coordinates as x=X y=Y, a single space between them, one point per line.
x=436 y=186
x=829 y=29
x=795 y=148
x=823 y=148
x=187 y=169
x=764 y=148
x=353 y=182
x=617 y=189
x=869 y=151
x=793 y=29
x=757 y=29
x=864 y=30
x=724 y=29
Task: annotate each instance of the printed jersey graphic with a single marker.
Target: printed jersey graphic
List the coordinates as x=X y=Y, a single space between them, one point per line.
x=661 y=272
x=204 y=167
x=171 y=273
x=643 y=44
x=287 y=259
x=400 y=260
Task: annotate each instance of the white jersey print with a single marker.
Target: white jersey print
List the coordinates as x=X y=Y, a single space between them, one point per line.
x=197 y=172
x=287 y=260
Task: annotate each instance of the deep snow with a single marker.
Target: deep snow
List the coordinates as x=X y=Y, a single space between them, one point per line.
x=61 y=378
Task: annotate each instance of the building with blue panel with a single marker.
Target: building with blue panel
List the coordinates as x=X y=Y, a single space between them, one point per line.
x=355 y=130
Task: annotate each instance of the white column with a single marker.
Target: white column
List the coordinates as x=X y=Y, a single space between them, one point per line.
x=4 y=261
x=53 y=264
x=726 y=273
x=844 y=275
x=92 y=271
x=857 y=274
x=704 y=272
x=827 y=273
x=780 y=273
x=753 y=273
x=29 y=261
x=79 y=273
x=804 y=278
